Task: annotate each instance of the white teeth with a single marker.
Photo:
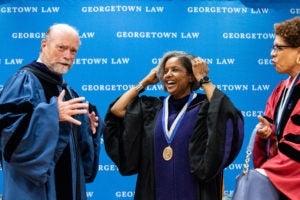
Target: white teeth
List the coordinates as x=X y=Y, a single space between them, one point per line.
x=170 y=82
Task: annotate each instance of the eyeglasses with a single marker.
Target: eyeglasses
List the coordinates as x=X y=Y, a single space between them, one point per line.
x=277 y=48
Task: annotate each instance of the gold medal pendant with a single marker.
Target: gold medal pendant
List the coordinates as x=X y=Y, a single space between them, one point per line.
x=168 y=153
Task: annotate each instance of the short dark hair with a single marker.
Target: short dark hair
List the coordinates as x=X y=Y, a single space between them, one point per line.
x=289 y=30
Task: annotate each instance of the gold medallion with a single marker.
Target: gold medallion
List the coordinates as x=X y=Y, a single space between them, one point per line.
x=168 y=153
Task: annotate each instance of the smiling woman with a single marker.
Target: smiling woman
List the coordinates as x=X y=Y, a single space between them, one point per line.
x=152 y=136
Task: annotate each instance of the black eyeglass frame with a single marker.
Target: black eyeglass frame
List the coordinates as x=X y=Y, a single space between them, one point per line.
x=277 y=47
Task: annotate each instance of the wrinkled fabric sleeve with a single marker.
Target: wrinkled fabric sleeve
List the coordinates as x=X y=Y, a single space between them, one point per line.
x=217 y=138
x=266 y=149
x=122 y=138
x=90 y=145
x=30 y=158
x=263 y=149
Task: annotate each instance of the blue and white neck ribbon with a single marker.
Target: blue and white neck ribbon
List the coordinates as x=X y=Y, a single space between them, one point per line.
x=169 y=134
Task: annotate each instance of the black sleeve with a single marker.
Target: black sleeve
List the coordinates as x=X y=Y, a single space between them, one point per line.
x=122 y=138
x=217 y=137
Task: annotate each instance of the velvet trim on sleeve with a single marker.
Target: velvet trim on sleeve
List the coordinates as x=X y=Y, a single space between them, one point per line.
x=217 y=138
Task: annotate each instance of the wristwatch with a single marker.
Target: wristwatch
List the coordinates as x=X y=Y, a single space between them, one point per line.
x=204 y=79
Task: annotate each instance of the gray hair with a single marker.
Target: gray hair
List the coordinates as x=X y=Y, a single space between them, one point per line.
x=186 y=61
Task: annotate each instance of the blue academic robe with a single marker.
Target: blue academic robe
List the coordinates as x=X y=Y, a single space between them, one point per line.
x=33 y=140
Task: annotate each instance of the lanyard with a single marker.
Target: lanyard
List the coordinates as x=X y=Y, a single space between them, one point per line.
x=287 y=93
x=169 y=134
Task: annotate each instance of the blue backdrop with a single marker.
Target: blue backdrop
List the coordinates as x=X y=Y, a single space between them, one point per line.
x=123 y=40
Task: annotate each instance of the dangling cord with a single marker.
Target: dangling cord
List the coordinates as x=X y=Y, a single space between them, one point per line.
x=284 y=100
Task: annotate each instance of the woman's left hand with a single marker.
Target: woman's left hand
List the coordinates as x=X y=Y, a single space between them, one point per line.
x=200 y=68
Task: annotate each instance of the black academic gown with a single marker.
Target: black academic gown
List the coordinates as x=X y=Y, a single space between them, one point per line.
x=215 y=142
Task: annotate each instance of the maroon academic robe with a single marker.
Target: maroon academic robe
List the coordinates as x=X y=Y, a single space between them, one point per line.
x=282 y=165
